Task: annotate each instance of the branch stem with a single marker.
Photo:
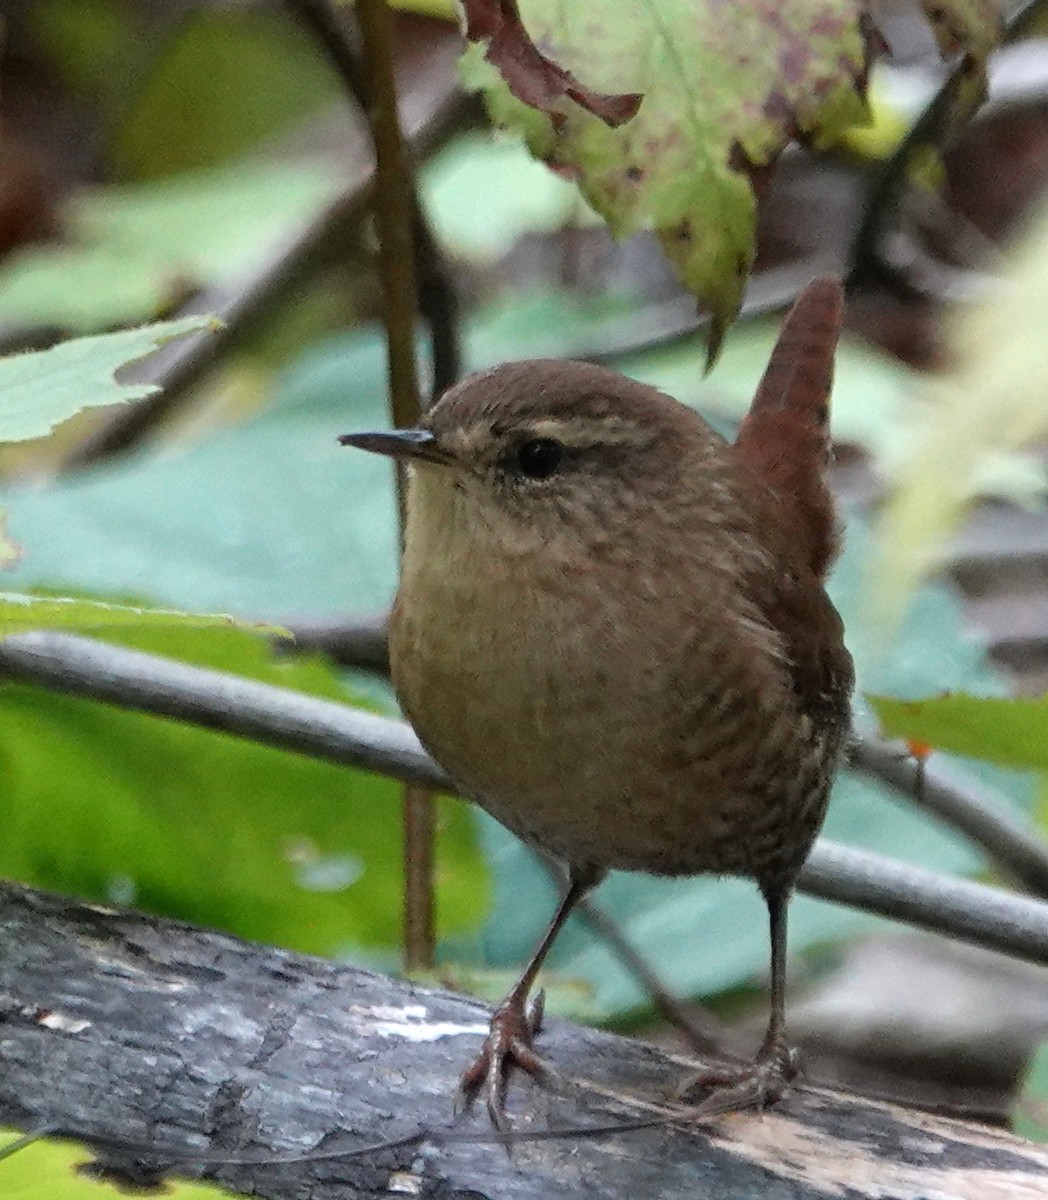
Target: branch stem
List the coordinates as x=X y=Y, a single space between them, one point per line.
x=970 y=912
x=1013 y=848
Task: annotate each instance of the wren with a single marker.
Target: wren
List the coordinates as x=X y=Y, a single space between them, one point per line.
x=612 y=632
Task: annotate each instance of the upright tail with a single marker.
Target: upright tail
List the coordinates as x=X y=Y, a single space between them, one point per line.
x=785 y=438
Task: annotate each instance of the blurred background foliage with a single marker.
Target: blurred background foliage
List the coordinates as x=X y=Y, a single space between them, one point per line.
x=154 y=159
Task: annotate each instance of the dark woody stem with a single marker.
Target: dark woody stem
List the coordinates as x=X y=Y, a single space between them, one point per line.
x=395 y=212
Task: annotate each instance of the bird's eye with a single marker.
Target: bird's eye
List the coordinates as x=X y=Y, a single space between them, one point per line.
x=538 y=458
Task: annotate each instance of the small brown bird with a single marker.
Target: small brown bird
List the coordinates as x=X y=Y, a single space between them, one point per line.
x=612 y=632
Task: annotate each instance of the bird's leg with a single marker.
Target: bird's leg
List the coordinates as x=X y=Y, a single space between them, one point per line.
x=515 y=1023
x=763 y=1081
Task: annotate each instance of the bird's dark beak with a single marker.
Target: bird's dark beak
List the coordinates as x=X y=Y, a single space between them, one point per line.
x=401 y=443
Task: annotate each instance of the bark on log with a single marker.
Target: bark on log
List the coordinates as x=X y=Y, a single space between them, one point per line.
x=211 y=1055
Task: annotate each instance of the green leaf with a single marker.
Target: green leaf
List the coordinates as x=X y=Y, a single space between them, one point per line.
x=531 y=198
x=1011 y=732
x=42 y=389
x=184 y=822
x=131 y=251
x=1030 y=1119
x=725 y=88
x=51 y=1169
x=20 y=612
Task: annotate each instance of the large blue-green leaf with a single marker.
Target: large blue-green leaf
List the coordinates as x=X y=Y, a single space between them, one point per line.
x=272 y=516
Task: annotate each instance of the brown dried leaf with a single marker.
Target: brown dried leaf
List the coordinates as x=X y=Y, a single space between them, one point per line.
x=529 y=74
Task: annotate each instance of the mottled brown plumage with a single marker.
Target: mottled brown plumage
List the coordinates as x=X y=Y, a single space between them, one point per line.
x=612 y=632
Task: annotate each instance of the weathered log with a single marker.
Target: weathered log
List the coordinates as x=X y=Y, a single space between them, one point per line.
x=170 y=1049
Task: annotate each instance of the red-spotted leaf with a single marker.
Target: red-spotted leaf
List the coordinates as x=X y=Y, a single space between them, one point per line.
x=724 y=87
x=529 y=74
x=1012 y=732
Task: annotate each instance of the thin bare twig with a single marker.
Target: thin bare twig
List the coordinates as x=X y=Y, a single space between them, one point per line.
x=354 y=642
x=435 y=291
x=868 y=262
x=394 y=211
x=970 y=912
x=1012 y=847
x=698 y=1025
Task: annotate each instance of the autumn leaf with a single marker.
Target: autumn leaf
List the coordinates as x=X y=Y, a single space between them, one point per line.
x=530 y=76
x=724 y=87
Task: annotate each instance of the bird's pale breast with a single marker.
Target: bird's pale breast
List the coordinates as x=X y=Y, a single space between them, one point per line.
x=612 y=713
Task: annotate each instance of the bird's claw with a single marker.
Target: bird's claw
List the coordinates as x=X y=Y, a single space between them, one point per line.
x=508 y=1045
x=756 y=1085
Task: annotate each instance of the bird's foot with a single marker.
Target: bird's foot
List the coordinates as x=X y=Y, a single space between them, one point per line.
x=508 y=1045
x=756 y=1085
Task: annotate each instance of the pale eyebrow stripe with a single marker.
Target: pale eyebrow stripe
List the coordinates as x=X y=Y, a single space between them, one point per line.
x=588 y=431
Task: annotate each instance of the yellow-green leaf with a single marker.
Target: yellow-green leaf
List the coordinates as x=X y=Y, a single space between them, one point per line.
x=1012 y=732
x=725 y=87
x=20 y=613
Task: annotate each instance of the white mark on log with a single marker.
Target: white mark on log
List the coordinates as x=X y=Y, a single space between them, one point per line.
x=392 y=1012
x=62 y=1023
x=144 y=977
x=409 y=1022
x=222 y=1019
x=405 y=1183
x=426 y=1032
